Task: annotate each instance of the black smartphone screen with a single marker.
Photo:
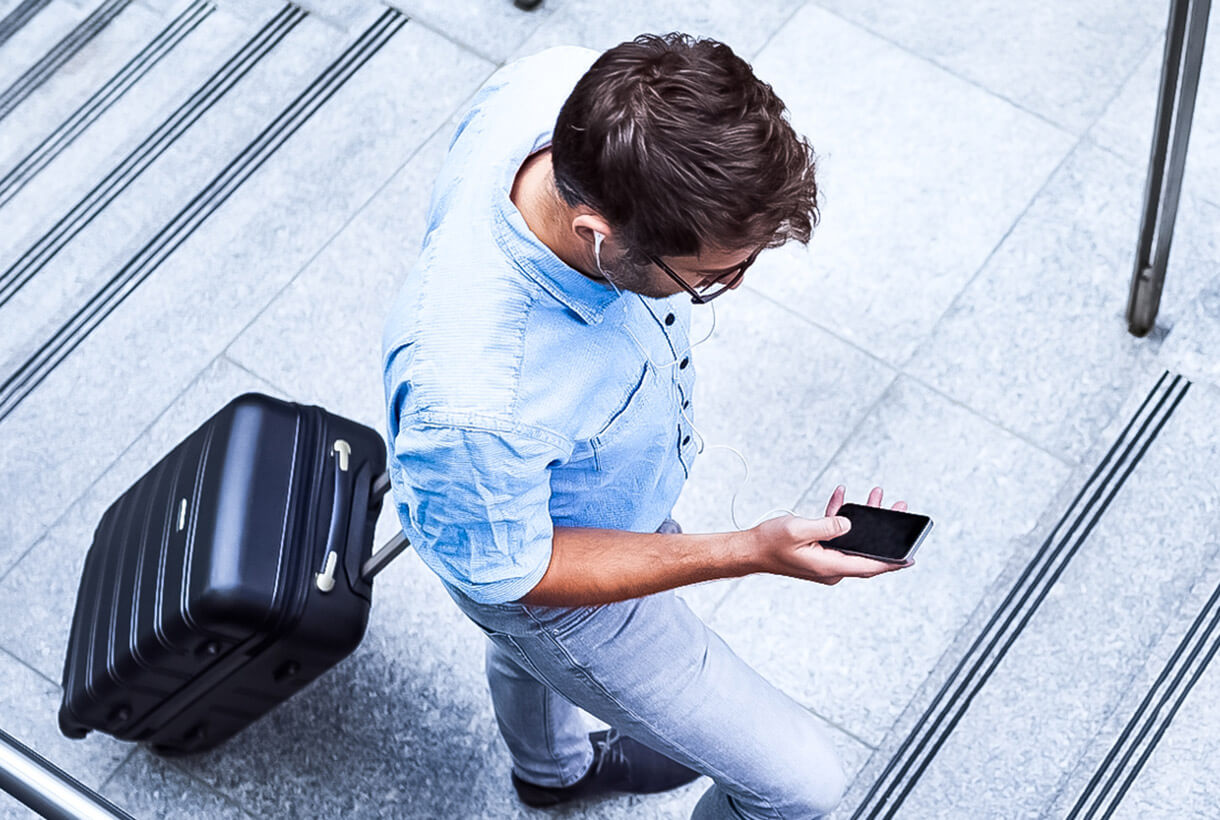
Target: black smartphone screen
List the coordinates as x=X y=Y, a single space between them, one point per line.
x=880 y=533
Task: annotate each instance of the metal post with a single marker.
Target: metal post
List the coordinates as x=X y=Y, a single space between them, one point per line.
x=47 y=789
x=1187 y=24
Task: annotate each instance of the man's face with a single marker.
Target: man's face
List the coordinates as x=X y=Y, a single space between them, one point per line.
x=698 y=271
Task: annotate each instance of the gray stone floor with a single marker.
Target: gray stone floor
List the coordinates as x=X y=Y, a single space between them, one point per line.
x=954 y=333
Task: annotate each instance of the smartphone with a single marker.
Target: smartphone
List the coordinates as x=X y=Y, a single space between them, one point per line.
x=886 y=535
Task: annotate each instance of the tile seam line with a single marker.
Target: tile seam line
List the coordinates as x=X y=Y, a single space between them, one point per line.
x=865 y=416
x=445 y=121
x=109 y=777
x=243 y=368
x=918 y=380
x=770 y=37
x=18 y=659
x=429 y=26
x=957 y=298
x=840 y=727
x=926 y=59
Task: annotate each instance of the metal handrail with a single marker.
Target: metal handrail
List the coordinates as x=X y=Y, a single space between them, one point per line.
x=1184 y=40
x=47 y=789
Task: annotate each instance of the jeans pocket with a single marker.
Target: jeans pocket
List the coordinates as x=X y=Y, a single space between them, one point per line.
x=562 y=621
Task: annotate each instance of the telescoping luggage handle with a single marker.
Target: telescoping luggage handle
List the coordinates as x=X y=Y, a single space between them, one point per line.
x=378 y=560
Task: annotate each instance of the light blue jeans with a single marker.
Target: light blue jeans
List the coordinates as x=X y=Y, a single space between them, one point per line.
x=650 y=668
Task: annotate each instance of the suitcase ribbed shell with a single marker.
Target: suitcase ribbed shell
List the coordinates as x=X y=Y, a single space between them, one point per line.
x=199 y=608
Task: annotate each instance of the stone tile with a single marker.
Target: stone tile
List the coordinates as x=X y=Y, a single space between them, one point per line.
x=38 y=36
x=492 y=28
x=235 y=263
x=1038 y=342
x=1193 y=346
x=386 y=733
x=123 y=126
x=1126 y=126
x=900 y=235
x=1063 y=59
x=36 y=612
x=746 y=27
x=30 y=706
x=76 y=80
x=122 y=229
x=490 y=795
x=783 y=393
x=149 y=787
x=321 y=335
x=1075 y=660
x=855 y=653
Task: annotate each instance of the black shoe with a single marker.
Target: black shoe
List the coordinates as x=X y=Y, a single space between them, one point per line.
x=620 y=764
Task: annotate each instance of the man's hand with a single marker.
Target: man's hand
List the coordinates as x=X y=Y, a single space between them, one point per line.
x=792 y=546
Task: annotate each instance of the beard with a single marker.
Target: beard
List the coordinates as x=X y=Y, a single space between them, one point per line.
x=637 y=276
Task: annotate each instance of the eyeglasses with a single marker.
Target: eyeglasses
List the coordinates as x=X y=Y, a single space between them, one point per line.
x=708 y=292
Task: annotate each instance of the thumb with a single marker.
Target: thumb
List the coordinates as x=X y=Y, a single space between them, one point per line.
x=820 y=529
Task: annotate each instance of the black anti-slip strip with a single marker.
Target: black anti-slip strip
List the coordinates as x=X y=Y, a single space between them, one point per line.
x=1005 y=625
x=19 y=16
x=1146 y=727
x=98 y=104
x=155 y=144
x=141 y=266
x=64 y=50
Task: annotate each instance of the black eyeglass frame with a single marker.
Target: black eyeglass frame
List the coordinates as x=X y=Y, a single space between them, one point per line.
x=730 y=279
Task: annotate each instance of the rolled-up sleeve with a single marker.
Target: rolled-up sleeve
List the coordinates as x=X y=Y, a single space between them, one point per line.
x=475 y=504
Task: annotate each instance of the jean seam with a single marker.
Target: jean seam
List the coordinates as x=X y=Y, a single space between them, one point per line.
x=546 y=705
x=583 y=672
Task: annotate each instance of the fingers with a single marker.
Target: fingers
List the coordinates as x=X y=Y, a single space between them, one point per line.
x=874 y=497
x=901 y=506
x=842 y=565
x=836 y=501
x=808 y=530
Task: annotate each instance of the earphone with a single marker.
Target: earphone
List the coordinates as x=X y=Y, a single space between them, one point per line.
x=598 y=239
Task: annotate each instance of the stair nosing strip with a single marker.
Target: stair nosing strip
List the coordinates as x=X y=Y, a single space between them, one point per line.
x=1052 y=549
x=101 y=100
x=16 y=19
x=1143 y=719
x=63 y=51
x=119 y=178
x=37 y=367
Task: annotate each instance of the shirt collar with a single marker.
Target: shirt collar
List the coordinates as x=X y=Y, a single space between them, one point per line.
x=585 y=297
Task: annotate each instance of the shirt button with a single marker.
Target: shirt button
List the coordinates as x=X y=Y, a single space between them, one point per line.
x=685 y=441
x=669 y=320
x=686 y=404
x=682 y=365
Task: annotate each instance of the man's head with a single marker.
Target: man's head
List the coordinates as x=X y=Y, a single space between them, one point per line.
x=673 y=150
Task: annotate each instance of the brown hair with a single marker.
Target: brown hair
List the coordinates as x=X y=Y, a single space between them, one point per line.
x=680 y=147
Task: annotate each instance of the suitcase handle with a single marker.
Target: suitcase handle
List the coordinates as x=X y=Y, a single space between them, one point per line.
x=378 y=560
x=340 y=516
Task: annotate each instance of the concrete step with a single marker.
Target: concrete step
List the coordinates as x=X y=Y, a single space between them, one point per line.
x=34 y=31
x=79 y=39
x=76 y=95
x=1053 y=652
x=32 y=204
x=225 y=272
x=61 y=265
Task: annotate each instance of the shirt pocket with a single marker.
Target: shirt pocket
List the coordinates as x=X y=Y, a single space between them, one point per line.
x=637 y=440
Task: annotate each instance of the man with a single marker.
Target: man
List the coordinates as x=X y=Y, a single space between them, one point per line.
x=538 y=379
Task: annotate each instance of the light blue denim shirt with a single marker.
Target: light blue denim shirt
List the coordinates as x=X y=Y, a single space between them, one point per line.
x=521 y=394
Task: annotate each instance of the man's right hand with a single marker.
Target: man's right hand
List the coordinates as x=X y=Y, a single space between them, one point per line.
x=792 y=546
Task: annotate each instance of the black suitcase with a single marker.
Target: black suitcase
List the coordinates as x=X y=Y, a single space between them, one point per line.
x=228 y=577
